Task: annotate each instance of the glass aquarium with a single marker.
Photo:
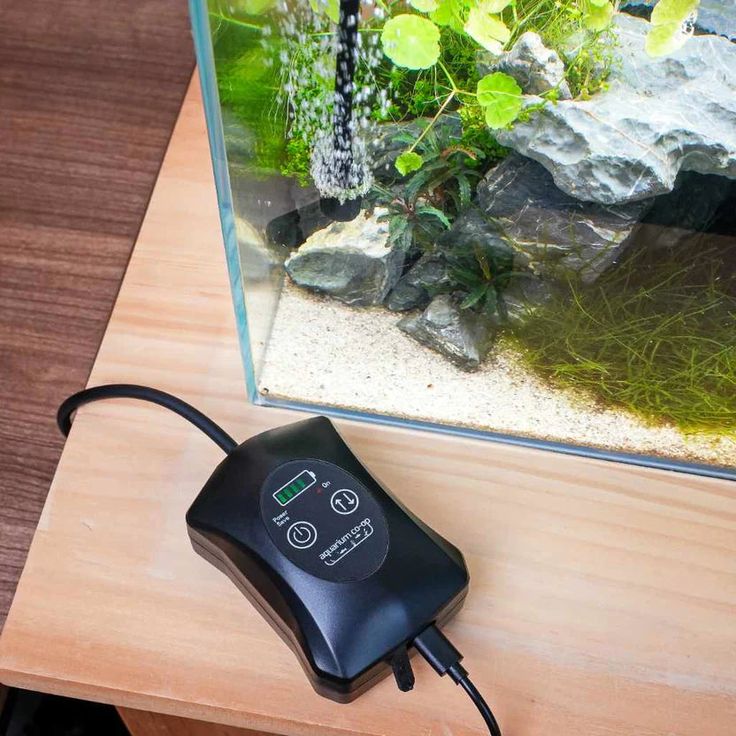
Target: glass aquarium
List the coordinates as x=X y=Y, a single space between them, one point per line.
x=514 y=219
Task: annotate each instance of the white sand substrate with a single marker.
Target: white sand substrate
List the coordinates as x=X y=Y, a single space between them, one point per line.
x=323 y=352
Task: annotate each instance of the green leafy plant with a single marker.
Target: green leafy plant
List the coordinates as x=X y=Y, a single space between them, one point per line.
x=486 y=28
x=444 y=172
x=297 y=160
x=429 y=67
x=413 y=222
x=330 y=8
x=415 y=43
x=477 y=135
x=408 y=161
x=439 y=183
x=597 y=14
x=591 y=64
x=481 y=272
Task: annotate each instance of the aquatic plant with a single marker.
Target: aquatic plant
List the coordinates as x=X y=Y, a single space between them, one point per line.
x=480 y=271
x=656 y=336
x=247 y=81
x=417 y=44
x=438 y=183
x=413 y=222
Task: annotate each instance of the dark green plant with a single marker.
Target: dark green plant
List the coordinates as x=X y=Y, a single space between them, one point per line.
x=449 y=173
x=424 y=203
x=413 y=222
x=481 y=272
x=477 y=135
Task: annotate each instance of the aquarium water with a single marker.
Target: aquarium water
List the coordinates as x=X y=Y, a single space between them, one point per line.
x=514 y=219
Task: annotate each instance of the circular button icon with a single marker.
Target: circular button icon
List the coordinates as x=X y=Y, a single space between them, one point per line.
x=301 y=534
x=344 y=501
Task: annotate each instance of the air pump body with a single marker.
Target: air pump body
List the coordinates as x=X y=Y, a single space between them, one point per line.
x=342 y=571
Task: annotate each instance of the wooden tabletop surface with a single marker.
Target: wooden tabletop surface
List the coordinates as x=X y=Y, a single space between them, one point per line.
x=89 y=93
x=602 y=598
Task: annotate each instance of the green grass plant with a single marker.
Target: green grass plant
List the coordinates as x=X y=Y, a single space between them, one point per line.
x=656 y=336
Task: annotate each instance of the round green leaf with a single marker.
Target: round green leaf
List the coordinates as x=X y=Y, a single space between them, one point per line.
x=500 y=97
x=664 y=39
x=449 y=13
x=408 y=162
x=598 y=17
x=488 y=30
x=598 y=3
x=411 y=41
x=330 y=8
x=673 y=11
x=668 y=30
x=424 y=6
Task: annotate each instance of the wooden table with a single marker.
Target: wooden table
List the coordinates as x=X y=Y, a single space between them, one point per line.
x=602 y=599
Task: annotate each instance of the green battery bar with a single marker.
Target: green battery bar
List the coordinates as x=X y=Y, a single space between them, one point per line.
x=298 y=484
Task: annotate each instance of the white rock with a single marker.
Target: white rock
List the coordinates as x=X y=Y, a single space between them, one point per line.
x=536 y=68
x=658 y=117
x=350 y=261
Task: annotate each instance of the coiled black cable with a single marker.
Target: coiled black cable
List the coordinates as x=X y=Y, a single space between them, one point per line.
x=143 y=393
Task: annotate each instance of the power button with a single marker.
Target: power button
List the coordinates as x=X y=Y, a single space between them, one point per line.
x=301 y=534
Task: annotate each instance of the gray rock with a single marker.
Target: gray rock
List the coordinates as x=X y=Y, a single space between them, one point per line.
x=717 y=16
x=414 y=288
x=406 y=296
x=350 y=261
x=553 y=234
x=658 y=117
x=536 y=68
x=486 y=62
x=523 y=297
x=462 y=336
x=385 y=148
x=714 y=16
x=472 y=228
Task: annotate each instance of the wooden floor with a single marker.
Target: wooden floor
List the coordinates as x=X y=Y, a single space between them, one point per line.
x=89 y=92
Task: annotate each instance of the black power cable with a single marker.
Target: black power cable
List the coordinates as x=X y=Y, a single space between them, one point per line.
x=437 y=649
x=130 y=391
x=481 y=705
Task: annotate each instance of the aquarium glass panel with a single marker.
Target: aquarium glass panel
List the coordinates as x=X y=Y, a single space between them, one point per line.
x=508 y=218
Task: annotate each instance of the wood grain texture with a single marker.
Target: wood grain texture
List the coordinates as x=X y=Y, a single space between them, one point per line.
x=89 y=92
x=602 y=598
x=141 y=723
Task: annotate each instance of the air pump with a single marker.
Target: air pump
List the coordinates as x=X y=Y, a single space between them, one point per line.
x=347 y=576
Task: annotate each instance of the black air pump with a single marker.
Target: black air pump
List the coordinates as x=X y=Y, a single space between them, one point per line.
x=350 y=579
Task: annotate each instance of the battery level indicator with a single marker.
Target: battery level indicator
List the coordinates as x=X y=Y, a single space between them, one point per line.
x=298 y=484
